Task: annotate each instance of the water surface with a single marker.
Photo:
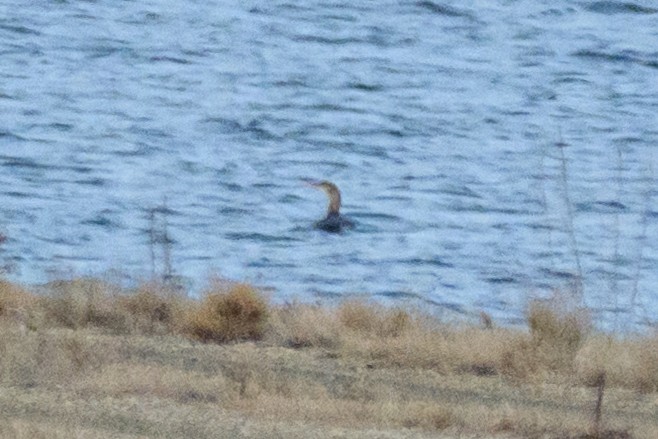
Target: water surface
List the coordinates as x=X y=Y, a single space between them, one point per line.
x=490 y=151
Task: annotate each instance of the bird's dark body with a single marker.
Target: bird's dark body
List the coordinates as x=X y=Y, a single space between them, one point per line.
x=334 y=223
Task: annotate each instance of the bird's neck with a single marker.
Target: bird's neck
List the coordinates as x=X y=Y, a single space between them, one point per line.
x=334 y=204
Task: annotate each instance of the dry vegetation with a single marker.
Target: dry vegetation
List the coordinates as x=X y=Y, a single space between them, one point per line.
x=88 y=359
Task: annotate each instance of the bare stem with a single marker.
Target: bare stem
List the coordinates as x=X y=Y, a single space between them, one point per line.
x=644 y=219
x=152 y=241
x=578 y=287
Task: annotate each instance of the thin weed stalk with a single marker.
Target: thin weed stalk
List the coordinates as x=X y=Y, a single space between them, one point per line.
x=564 y=178
x=644 y=220
x=158 y=230
x=166 y=244
x=152 y=241
x=544 y=201
x=614 y=286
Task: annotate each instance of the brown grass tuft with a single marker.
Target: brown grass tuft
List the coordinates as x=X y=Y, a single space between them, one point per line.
x=153 y=309
x=18 y=307
x=630 y=363
x=237 y=314
x=557 y=333
x=14 y=297
x=84 y=302
x=304 y=326
x=375 y=319
x=517 y=358
x=645 y=379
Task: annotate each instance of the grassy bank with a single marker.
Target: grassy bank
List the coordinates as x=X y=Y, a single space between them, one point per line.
x=84 y=358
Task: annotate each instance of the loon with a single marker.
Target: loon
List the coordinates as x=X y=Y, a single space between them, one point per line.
x=334 y=222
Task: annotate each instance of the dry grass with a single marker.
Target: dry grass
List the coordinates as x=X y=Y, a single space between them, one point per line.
x=303 y=326
x=18 y=307
x=557 y=334
x=370 y=318
x=630 y=363
x=229 y=314
x=126 y=379
x=84 y=302
x=90 y=303
x=22 y=429
x=99 y=361
x=14 y=297
x=153 y=309
x=50 y=359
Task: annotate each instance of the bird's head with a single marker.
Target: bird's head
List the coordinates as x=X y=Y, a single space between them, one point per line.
x=332 y=192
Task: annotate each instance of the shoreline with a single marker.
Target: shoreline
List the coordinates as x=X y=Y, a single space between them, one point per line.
x=89 y=358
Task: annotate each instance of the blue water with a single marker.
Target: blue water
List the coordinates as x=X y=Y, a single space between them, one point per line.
x=491 y=151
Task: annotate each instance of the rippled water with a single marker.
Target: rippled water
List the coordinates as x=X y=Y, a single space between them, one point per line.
x=490 y=151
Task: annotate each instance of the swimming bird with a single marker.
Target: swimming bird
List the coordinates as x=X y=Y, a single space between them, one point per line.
x=334 y=222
